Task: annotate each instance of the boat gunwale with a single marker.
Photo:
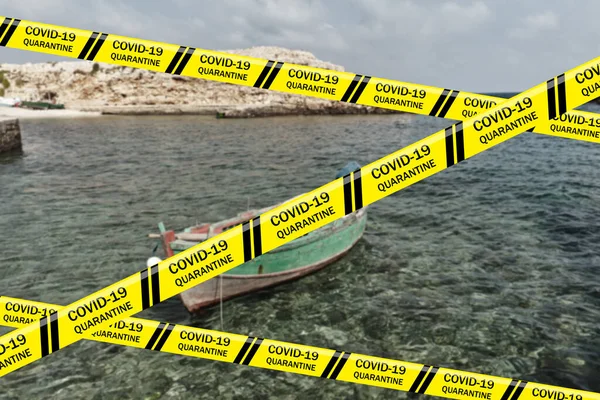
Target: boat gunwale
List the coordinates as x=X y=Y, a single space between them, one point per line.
x=302 y=240
x=298 y=269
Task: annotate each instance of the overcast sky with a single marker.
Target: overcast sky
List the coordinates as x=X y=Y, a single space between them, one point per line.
x=479 y=46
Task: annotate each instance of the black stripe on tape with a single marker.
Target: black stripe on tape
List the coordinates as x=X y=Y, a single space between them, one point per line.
x=347 y=194
x=88 y=45
x=145 y=289
x=350 y=89
x=54 y=338
x=428 y=380
x=460 y=143
x=246 y=241
x=360 y=89
x=263 y=73
x=186 y=58
x=448 y=103
x=252 y=351
x=330 y=364
x=44 y=336
x=175 y=59
x=273 y=75
x=340 y=365
x=562 y=94
x=155 y=284
x=551 y=99
x=5 y=24
x=164 y=337
x=155 y=335
x=509 y=389
x=358 y=197
x=449 y=147
x=519 y=390
x=97 y=47
x=10 y=32
x=420 y=377
x=257 y=237
x=439 y=102
x=243 y=350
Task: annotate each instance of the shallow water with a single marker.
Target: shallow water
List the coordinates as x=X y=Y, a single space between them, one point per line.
x=491 y=266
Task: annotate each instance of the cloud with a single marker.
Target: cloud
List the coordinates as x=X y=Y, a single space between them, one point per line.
x=454 y=18
x=536 y=24
x=547 y=20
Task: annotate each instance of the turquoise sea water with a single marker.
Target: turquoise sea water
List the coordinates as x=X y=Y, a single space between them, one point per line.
x=490 y=266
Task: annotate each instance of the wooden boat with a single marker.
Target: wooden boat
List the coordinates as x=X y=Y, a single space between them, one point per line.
x=291 y=261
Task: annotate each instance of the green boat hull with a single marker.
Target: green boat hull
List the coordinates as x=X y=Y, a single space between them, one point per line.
x=291 y=261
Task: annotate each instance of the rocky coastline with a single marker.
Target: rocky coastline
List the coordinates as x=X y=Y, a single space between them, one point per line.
x=110 y=89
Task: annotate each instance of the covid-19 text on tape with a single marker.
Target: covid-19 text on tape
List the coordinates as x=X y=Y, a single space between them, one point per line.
x=286 y=77
x=298 y=358
x=299 y=216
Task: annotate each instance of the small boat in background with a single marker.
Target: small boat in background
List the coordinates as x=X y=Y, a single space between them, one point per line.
x=9 y=102
x=291 y=261
x=41 y=105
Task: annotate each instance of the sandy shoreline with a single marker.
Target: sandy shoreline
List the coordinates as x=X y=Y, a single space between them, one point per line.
x=23 y=113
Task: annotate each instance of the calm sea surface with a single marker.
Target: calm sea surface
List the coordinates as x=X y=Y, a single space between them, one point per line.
x=491 y=266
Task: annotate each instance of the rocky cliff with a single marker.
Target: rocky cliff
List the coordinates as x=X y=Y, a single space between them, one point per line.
x=111 y=89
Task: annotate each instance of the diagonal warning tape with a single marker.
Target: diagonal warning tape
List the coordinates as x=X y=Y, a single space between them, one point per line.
x=303 y=214
x=299 y=359
x=454 y=136
x=283 y=77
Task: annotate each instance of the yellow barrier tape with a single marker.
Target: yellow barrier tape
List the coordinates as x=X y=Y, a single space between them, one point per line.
x=299 y=359
x=299 y=216
x=279 y=76
x=495 y=126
